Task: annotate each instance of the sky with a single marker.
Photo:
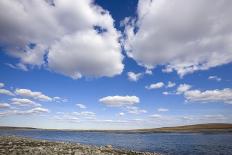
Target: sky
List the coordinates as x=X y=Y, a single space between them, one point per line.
x=116 y=64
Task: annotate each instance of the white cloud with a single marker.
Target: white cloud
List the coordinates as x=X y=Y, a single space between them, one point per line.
x=171 y=84
x=134 y=76
x=87 y=113
x=59 y=99
x=6 y=92
x=23 y=102
x=166 y=93
x=135 y=110
x=119 y=100
x=121 y=114
x=112 y=121
x=183 y=88
x=38 y=110
x=4 y=105
x=87 y=47
x=155 y=85
x=214 y=78
x=82 y=106
x=36 y=95
x=83 y=58
x=218 y=96
x=162 y=110
x=148 y=71
x=2 y=85
x=156 y=116
x=185 y=36
x=34 y=111
x=19 y=66
x=76 y=116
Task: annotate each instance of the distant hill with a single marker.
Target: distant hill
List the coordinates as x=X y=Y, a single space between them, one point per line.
x=211 y=127
x=15 y=128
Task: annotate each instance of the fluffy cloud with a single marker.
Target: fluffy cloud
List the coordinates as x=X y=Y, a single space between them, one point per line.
x=171 y=84
x=37 y=110
x=157 y=116
x=75 y=116
x=82 y=106
x=6 y=92
x=83 y=58
x=219 y=96
x=135 y=110
x=214 y=78
x=23 y=102
x=59 y=99
x=87 y=47
x=162 y=110
x=4 y=105
x=87 y=114
x=119 y=100
x=121 y=114
x=155 y=85
x=183 y=88
x=34 y=111
x=2 y=85
x=134 y=76
x=36 y=95
x=185 y=36
x=165 y=93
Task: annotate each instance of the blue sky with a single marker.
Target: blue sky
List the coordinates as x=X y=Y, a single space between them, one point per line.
x=116 y=64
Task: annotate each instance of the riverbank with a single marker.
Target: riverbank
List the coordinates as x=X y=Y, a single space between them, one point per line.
x=12 y=145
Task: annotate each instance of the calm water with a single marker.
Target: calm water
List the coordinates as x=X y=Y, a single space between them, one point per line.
x=168 y=143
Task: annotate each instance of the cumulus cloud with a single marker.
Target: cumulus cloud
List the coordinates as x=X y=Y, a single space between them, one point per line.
x=165 y=93
x=155 y=85
x=213 y=77
x=82 y=106
x=183 y=88
x=6 y=92
x=171 y=84
x=2 y=85
x=35 y=95
x=4 y=105
x=157 y=116
x=162 y=110
x=75 y=116
x=185 y=36
x=23 y=102
x=87 y=114
x=34 y=111
x=87 y=47
x=38 y=110
x=119 y=100
x=216 y=96
x=148 y=71
x=121 y=114
x=134 y=76
x=59 y=99
x=135 y=110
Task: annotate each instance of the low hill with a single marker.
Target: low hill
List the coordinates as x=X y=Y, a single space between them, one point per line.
x=15 y=128
x=212 y=127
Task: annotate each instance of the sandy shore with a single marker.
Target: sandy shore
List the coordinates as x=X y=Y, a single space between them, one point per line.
x=11 y=145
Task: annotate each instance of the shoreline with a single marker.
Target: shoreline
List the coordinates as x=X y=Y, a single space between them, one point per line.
x=195 y=128
x=13 y=145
